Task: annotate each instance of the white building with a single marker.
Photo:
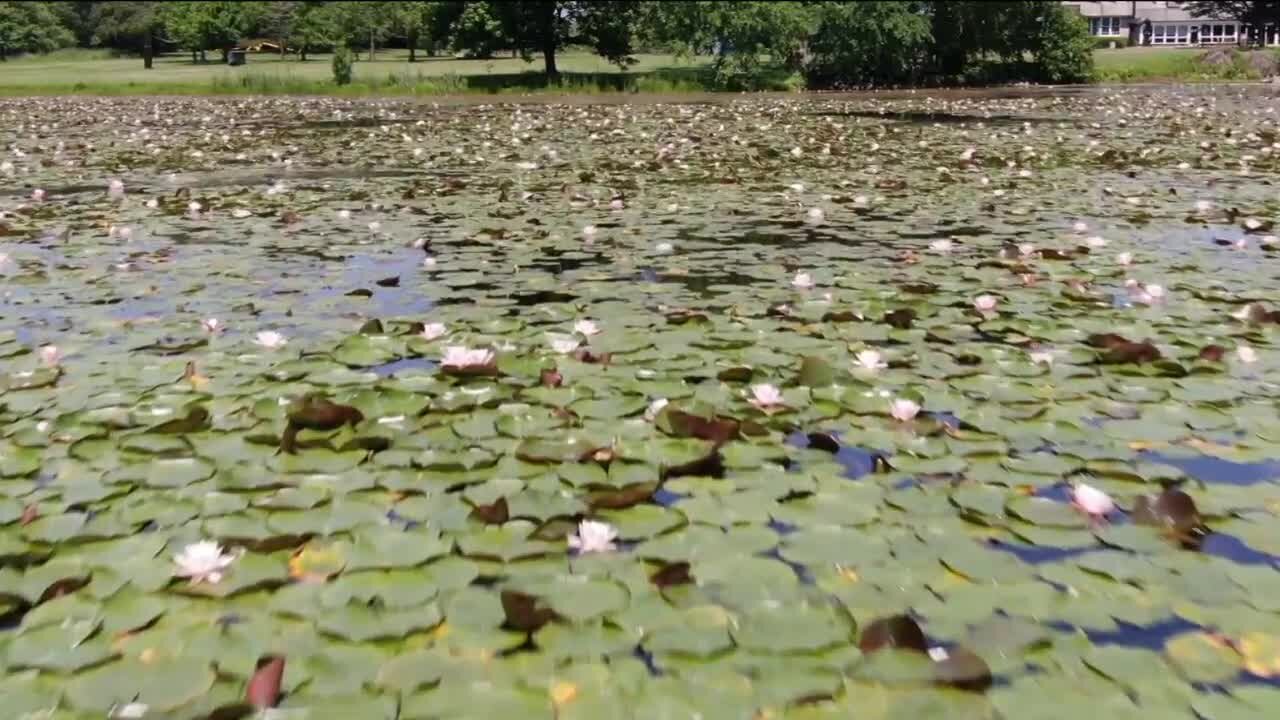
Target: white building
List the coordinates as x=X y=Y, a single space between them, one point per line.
x=1162 y=23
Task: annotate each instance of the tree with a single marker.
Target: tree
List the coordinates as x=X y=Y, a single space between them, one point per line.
x=547 y=26
x=200 y=26
x=315 y=24
x=360 y=22
x=77 y=17
x=1064 y=51
x=30 y=27
x=414 y=20
x=131 y=24
x=868 y=43
x=745 y=37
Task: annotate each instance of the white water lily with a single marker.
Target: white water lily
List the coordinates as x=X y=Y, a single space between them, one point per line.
x=814 y=215
x=1095 y=241
x=589 y=233
x=586 y=327
x=432 y=331
x=1246 y=354
x=212 y=325
x=593 y=537
x=904 y=410
x=938 y=654
x=38 y=195
x=802 y=280
x=985 y=303
x=115 y=189
x=664 y=248
x=202 y=562
x=50 y=355
x=271 y=340
x=1042 y=357
x=942 y=246
x=766 y=396
x=1080 y=226
x=1026 y=249
x=564 y=344
x=1125 y=258
x=655 y=407
x=870 y=360
x=457 y=356
x=1091 y=500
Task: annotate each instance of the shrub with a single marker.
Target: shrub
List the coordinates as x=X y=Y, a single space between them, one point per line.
x=1064 y=53
x=1103 y=42
x=871 y=43
x=343 y=59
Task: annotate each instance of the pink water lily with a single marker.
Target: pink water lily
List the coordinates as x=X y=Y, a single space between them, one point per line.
x=1092 y=501
x=766 y=397
x=212 y=325
x=115 y=189
x=903 y=409
x=50 y=355
x=985 y=303
x=457 y=356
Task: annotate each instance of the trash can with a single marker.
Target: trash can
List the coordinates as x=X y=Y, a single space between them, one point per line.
x=236 y=57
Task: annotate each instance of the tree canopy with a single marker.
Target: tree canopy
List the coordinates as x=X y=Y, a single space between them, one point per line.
x=830 y=43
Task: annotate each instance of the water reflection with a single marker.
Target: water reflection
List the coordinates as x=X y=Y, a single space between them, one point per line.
x=1209 y=469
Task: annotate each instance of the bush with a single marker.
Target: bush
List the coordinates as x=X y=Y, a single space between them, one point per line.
x=1102 y=43
x=1064 y=52
x=871 y=43
x=343 y=59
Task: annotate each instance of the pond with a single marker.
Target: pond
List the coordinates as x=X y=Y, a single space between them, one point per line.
x=743 y=407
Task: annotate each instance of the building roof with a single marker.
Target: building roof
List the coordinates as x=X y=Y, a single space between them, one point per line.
x=1153 y=11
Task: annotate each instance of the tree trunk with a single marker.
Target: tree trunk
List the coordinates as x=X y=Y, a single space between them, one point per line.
x=281 y=48
x=4 y=53
x=372 y=47
x=203 y=58
x=224 y=56
x=147 y=51
x=413 y=45
x=195 y=57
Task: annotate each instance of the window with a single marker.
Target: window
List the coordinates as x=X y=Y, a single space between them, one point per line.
x=1104 y=25
x=1167 y=34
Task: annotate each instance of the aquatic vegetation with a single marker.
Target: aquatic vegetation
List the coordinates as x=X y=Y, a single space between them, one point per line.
x=360 y=421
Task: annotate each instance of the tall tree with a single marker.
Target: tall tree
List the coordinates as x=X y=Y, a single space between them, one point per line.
x=77 y=16
x=133 y=24
x=200 y=26
x=547 y=26
x=30 y=27
x=365 y=22
x=414 y=20
x=744 y=36
x=868 y=43
x=315 y=24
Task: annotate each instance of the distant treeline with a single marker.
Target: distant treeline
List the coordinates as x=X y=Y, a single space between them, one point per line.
x=829 y=44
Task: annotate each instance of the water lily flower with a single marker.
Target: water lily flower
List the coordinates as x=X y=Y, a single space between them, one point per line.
x=593 y=537
x=6 y=167
x=1124 y=258
x=344 y=214
x=6 y=262
x=904 y=410
x=1041 y=357
x=814 y=215
x=431 y=331
x=796 y=187
x=589 y=233
x=938 y=653
x=985 y=303
x=271 y=340
x=50 y=355
x=1246 y=354
x=38 y=195
x=617 y=204
x=1026 y=249
x=1080 y=226
x=967 y=155
x=870 y=360
x=1144 y=294
x=1095 y=241
x=564 y=344
x=115 y=189
x=802 y=280
x=586 y=327
x=457 y=356
x=655 y=407
x=942 y=246
x=193 y=210
x=212 y=325
x=1091 y=500
x=202 y=562
x=765 y=396
x=664 y=248
x=121 y=232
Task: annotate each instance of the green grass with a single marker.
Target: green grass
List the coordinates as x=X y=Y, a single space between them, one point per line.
x=96 y=72
x=1151 y=64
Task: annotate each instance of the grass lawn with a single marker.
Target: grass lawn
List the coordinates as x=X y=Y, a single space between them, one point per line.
x=391 y=72
x=1138 y=64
